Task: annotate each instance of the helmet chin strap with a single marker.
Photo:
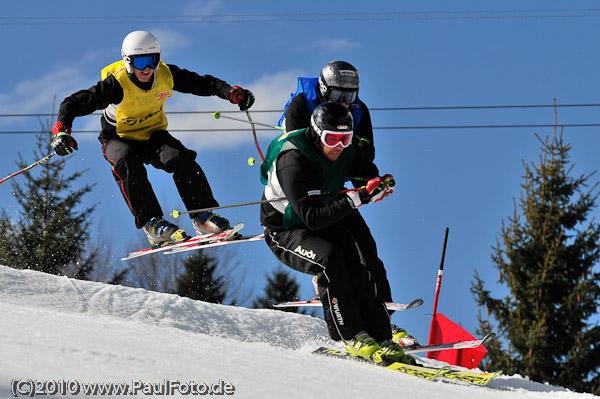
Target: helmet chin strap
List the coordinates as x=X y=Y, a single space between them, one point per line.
x=314 y=139
x=320 y=96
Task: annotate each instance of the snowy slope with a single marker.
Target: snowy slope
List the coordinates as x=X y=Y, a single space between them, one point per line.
x=58 y=329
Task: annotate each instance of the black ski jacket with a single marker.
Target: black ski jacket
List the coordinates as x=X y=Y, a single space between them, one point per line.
x=296 y=175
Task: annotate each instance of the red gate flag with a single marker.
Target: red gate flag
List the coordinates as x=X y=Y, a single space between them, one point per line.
x=444 y=330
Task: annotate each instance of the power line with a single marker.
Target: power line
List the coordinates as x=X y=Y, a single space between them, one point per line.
x=430 y=127
x=415 y=127
x=309 y=17
x=427 y=108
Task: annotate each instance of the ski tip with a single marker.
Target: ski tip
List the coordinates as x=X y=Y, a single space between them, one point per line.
x=488 y=337
x=415 y=303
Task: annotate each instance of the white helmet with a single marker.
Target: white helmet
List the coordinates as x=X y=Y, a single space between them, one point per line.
x=139 y=42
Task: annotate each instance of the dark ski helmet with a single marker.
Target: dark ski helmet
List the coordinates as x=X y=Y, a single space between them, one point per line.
x=331 y=124
x=339 y=82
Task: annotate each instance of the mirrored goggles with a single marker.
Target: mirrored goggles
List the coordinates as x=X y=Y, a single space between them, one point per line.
x=142 y=61
x=342 y=96
x=332 y=139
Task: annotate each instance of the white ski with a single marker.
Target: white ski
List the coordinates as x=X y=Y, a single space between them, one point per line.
x=317 y=302
x=205 y=238
x=454 y=345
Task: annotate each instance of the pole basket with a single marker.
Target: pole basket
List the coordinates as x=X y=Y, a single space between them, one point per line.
x=444 y=330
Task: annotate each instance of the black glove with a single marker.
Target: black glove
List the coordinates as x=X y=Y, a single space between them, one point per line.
x=374 y=191
x=242 y=97
x=389 y=183
x=63 y=142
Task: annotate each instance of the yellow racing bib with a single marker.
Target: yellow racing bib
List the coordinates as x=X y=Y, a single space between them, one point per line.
x=142 y=111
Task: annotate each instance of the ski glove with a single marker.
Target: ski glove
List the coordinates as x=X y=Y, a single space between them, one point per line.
x=374 y=191
x=389 y=183
x=242 y=97
x=63 y=143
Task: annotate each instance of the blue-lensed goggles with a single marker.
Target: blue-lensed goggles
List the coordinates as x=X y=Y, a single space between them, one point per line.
x=342 y=96
x=142 y=61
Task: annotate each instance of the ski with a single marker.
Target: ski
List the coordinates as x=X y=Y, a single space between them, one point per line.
x=454 y=345
x=472 y=377
x=317 y=302
x=427 y=373
x=189 y=241
x=236 y=239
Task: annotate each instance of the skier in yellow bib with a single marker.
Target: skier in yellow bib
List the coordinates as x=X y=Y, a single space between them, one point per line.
x=132 y=95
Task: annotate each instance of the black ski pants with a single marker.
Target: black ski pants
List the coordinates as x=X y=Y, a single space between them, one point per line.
x=350 y=296
x=128 y=159
x=368 y=247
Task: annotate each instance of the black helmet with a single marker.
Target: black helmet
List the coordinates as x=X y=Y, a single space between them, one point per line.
x=341 y=77
x=331 y=118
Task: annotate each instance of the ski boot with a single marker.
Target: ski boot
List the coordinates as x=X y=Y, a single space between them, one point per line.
x=210 y=223
x=160 y=232
x=362 y=345
x=400 y=336
x=392 y=352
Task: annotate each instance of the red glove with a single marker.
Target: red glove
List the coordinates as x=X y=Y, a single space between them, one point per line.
x=63 y=141
x=374 y=191
x=242 y=97
x=60 y=127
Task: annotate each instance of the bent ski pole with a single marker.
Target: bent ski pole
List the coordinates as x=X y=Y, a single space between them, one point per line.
x=176 y=213
x=218 y=115
x=47 y=157
x=254 y=134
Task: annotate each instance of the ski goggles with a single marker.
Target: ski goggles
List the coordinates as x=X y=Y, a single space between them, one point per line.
x=332 y=139
x=342 y=96
x=142 y=61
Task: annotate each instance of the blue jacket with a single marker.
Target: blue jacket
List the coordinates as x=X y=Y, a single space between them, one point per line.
x=308 y=87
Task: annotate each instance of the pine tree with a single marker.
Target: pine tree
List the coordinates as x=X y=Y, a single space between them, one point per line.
x=154 y=272
x=281 y=287
x=50 y=232
x=199 y=279
x=546 y=258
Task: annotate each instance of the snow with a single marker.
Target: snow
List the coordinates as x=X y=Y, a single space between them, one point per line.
x=59 y=329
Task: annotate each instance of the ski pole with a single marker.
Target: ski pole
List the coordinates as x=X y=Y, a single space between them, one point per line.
x=176 y=213
x=254 y=134
x=438 y=285
x=218 y=115
x=47 y=157
x=252 y=161
x=434 y=326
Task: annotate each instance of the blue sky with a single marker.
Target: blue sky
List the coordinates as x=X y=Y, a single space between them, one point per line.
x=409 y=55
